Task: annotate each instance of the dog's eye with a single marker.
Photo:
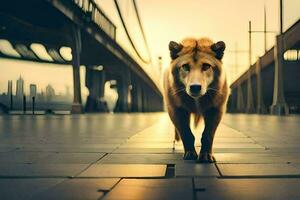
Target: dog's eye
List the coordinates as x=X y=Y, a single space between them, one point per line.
x=186 y=67
x=205 y=66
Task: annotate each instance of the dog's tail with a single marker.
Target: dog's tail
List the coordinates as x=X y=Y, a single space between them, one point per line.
x=197 y=120
x=176 y=136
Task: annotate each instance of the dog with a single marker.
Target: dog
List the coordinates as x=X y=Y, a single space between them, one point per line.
x=195 y=84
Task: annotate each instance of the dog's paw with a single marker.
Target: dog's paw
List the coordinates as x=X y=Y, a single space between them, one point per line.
x=205 y=157
x=190 y=155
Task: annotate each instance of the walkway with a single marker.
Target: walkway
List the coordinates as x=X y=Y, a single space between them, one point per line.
x=131 y=157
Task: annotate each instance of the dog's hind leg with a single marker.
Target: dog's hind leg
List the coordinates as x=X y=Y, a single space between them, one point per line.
x=181 y=121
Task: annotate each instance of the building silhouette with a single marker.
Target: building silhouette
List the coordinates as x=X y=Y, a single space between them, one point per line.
x=50 y=92
x=32 y=90
x=20 y=88
x=9 y=88
x=45 y=98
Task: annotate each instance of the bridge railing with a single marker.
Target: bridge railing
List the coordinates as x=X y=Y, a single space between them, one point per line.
x=92 y=10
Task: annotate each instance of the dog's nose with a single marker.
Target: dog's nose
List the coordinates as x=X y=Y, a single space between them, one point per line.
x=195 y=88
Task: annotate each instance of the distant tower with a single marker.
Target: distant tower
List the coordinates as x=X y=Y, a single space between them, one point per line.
x=50 y=92
x=32 y=89
x=20 y=88
x=40 y=96
x=9 y=88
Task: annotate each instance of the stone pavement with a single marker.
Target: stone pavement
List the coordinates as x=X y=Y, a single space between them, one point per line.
x=131 y=157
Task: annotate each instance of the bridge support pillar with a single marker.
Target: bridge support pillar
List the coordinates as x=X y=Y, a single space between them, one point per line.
x=136 y=94
x=279 y=105
x=145 y=102
x=123 y=84
x=240 y=99
x=76 y=50
x=232 y=101
x=260 y=109
x=95 y=81
x=250 y=106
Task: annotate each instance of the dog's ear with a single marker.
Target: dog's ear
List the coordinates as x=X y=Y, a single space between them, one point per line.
x=218 y=48
x=174 y=48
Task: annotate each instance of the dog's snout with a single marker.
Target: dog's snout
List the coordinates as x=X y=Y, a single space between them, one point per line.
x=195 y=88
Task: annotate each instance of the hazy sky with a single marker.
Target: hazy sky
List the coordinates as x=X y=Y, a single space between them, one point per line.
x=218 y=19
x=166 y=20
x=225 y=20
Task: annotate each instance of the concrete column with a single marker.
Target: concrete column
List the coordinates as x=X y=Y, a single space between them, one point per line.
x=279 y=105
x=123 y=92
x=95 y=81
x=240 y=99
x=250 y=106
x=160 y=103
x=260 y=109
x=232 y=101
x=145 y=99
x=76 y=50
x=139 y=98
x=136 y=94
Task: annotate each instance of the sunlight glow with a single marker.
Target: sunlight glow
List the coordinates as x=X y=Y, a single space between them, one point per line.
x=66 y=53
x=292 y=55
x=7 y=49
x=40 y=51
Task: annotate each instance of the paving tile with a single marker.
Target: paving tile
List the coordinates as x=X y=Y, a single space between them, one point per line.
x=66 y=149
x=240 y=150
x=40 y=170
x=238 y=158
x=6 y=149
x=238 y=146
x=79 y=189
x=148 y=145
x=124 y=170
x=71 y=158
x=142 y=158
x=258 y=170
x=297 y=165
x=150 y=139
x=143 y=150
x=233 y=140
x=286 y=150
x=289 y=157
x=150 y=189
x=22 y=157
x=247 y=189
x=86 y=140
x=225 y=131
x=20 y=189
x=195 y=169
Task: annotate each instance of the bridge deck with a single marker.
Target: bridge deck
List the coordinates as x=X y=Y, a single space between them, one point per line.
x=130 y=156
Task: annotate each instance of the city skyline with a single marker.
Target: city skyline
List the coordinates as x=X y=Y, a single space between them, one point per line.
x=20 y=89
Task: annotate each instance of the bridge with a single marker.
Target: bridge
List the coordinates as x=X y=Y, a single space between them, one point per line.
x=83 y=27
x=269 y=85
x=131 y=154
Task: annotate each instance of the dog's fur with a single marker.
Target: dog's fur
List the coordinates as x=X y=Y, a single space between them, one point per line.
x=196 y=64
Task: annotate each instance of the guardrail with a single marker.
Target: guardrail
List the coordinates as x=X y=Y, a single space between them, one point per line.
x=95 y=14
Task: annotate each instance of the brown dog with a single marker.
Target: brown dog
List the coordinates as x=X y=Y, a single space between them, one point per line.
x=195 y=84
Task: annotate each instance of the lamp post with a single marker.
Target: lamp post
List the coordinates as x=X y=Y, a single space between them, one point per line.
x=279 y=105
x=250 y=106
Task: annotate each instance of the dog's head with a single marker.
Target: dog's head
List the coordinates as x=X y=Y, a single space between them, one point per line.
x=196 y=64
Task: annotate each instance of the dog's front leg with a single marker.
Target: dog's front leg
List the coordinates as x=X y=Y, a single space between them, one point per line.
x=181 y=121
x=212 y=118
